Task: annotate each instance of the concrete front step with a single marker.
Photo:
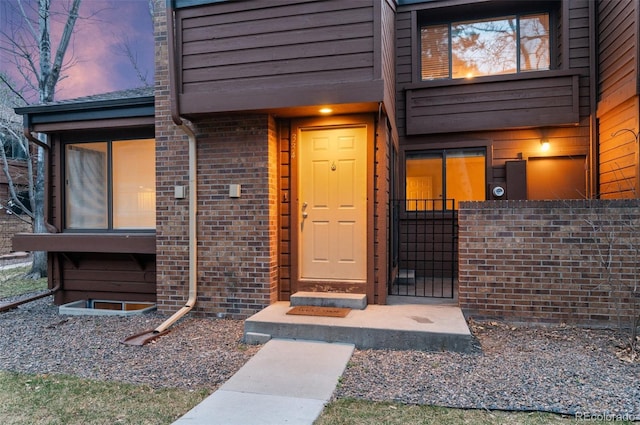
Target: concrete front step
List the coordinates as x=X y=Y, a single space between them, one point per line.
x=397 y=327
x=330 y=299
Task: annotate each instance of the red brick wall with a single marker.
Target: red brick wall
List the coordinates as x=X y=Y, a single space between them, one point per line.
x=543 y=261
x=237 y=237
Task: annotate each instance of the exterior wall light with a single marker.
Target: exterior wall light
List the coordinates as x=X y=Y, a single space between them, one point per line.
x=544 y=145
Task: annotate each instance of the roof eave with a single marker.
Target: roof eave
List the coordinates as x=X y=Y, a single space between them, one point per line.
x=88 y=110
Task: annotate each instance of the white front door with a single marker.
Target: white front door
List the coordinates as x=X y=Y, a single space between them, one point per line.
x=333 y=204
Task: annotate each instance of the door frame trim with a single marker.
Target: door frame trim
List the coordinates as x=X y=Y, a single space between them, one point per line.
x=327 y=123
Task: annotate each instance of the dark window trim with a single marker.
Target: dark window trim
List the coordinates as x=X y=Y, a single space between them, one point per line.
x=434 y=15
x=438 y=146
x=109 y=138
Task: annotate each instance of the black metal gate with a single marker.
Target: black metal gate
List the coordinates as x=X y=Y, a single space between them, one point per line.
x=424 y=251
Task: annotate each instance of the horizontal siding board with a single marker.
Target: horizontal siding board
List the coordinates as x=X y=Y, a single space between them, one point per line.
x=250 y=28
x=260 y=70
x=86 y=242
x=274 y=82
x=114 y=287
x=617 y=59
x=621 y=173
x=475 y=94
x=302 y=37
x=260 y=98
x=478 y=106
x=529 y=104
x=616 y=32
x=252 y=50
x=617 y=62
x=624 y=154
x=113 y=276
x=324 y=50
x=618 y=154
x=257 y=10
x=483 y=120
x=133 y=277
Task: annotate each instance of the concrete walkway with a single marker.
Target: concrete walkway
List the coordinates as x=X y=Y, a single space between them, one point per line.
x=286 y=382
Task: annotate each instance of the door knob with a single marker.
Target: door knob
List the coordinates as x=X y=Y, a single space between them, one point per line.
x=304 y=215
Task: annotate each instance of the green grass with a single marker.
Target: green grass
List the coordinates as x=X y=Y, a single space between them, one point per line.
x=12 y=282
x=359 y=412
x=55 y=399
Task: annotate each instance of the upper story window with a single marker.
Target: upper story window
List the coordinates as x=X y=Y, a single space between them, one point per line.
x=493 y=46
x=110 y=185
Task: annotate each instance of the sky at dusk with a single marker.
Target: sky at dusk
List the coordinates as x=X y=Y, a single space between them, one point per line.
x=95 y=52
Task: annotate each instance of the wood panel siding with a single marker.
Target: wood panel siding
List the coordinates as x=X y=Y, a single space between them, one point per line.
x=388 y=59
x=493 y=103
x=284 y=252
x=86 y=242
x=384 y=145
x=509 y=114
x=618 y=156
x=104 y=276
x=265 y=55
x=618 y=104
x=617 y=55
x=97 y=266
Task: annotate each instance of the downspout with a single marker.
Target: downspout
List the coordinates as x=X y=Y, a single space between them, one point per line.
x=148 y=336
x=16 y=304
x=33 y=139
x=193 y=241
x=193 y=181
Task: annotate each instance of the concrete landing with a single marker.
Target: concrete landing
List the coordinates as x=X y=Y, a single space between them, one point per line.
x=398 y=327
x=286 y=382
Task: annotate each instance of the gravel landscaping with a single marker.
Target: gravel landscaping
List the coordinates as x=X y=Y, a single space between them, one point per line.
x=197 y=353
x=556 y=369
x=553 y=369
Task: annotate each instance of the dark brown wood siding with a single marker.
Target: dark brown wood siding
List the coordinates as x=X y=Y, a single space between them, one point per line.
x=521 y=101
x=105 y=277
x=618 y=98
x=508 y=114
x=389 y=58
x=284 y=252
x=263 y=54
x=108 y=265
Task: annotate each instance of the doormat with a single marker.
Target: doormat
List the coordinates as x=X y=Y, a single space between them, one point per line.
x=308 y=310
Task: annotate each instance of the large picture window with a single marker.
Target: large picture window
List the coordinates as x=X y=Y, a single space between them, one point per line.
x=110 y=185
x=501 y=45
x=435 y=176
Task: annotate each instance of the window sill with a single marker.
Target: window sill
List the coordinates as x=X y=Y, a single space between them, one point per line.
x=125 y=243
x=532 y=75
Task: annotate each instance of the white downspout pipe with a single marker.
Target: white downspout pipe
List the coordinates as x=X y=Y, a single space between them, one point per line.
x=193 y=235
x=147 y=336
x=193 y=180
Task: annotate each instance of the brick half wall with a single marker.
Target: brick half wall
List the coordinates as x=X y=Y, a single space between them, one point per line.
x=573 y=261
